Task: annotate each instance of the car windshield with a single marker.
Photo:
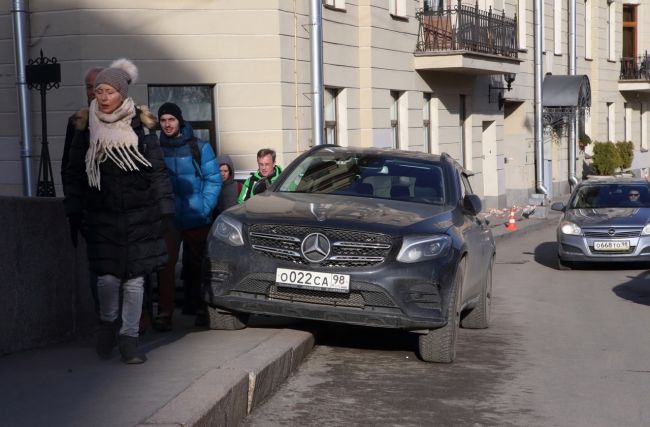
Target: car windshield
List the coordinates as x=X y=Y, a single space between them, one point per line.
x=375 y=176
x=611 y=196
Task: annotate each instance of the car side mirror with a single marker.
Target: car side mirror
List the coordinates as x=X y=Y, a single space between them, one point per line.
x=472 y=204
x=558 y=206
x=261 y=186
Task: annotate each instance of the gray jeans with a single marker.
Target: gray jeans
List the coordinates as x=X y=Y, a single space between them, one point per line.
x=108 y=291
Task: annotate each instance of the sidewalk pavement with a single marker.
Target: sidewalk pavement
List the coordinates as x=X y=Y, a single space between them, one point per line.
x=194 y=377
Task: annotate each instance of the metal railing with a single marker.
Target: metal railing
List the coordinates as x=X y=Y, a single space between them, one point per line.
x=635 y=68
x=467 y=28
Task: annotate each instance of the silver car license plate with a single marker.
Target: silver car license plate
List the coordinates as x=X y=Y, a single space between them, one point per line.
x=612 y=245
x=312 y=280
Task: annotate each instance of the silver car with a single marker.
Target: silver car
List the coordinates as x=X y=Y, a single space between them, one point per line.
x=605 y=220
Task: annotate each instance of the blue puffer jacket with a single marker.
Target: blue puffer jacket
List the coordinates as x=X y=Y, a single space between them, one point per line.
x=196 y=190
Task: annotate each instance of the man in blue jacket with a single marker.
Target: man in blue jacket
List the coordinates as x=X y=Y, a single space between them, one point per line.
x=196 y=182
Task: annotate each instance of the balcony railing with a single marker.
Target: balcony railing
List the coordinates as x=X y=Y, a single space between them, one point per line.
x=636 y=68
x=467 y=28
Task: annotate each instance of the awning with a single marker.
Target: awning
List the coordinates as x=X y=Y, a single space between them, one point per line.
x=566 y=91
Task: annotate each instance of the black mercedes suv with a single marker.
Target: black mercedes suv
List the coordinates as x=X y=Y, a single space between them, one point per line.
x=362 y=236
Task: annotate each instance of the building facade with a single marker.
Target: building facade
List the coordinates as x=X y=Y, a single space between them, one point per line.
x=410 y=74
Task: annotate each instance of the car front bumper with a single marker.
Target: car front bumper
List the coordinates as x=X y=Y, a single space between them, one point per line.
x=581 y=249
x=390 y=295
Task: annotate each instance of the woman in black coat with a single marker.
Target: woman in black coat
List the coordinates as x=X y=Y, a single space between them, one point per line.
x=117 y=191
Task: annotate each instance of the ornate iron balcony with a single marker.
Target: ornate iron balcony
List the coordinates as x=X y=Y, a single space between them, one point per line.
x=467 y=28
x=635 y=68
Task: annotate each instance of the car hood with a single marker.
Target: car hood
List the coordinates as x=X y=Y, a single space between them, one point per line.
x=326 y=210
x=609 y=217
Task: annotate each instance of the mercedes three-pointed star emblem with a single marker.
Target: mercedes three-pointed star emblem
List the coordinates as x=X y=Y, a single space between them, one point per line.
x=315 y=247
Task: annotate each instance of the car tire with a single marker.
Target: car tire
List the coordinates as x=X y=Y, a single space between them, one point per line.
x=225 y=320
x=564 y=265
x=479 y=316
x=439 y=345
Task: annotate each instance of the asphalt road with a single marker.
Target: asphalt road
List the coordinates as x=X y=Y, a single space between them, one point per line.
x=566 y=348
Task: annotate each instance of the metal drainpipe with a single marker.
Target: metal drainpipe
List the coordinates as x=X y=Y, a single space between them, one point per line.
x=315 y=17
x=539 y=141
x=573 y=125
x=20 y=16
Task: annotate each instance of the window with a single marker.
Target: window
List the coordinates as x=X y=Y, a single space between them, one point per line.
x=557 y=27
x=335 y=4
x=611 y=120
x=426 y=121
x=394 y=118
x=436 y=5
x=644 y=126
x=196 y=102
x=611 y=21
x=329 y=102
x=588 y=29
x=629 y=36
x=628 y=121
x=462 y=116
x=397 y=8
x=521 y=23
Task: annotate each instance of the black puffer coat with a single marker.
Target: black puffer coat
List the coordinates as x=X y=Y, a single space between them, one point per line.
x=122 y=223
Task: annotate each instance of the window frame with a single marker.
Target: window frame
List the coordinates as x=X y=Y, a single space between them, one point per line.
x=209 y=125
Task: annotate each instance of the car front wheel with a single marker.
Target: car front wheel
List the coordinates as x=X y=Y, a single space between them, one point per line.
x=226 y=320
x=479 y=316
x=564 y=265
x=439 y=345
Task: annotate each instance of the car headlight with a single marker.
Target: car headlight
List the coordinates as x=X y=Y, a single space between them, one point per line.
x=567 y=227
x=421 y=248
x=228 y=230
x=646 y=230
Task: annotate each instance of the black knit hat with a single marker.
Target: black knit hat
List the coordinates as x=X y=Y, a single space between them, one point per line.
x=172 y=109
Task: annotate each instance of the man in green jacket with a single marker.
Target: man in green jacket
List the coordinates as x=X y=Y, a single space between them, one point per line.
x=266 y=168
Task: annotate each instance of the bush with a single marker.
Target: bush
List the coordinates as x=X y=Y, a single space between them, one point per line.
x=626 y=153
x=606 y=158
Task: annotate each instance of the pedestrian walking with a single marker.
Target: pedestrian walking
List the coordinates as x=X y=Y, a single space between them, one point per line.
x=117 y=194
x=196 y=186
x=267 y=172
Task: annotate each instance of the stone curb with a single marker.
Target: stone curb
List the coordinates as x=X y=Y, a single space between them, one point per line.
x=224 y=396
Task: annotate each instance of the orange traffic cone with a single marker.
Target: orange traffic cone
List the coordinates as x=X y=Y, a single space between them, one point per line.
x=511 y=225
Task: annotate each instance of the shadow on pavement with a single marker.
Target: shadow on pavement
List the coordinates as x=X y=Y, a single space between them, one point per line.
x=637 y=289
x=361 y=337
x=546 y=254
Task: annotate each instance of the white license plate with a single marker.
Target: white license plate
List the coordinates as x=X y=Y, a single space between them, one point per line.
x=313 y=280
x=612 y=245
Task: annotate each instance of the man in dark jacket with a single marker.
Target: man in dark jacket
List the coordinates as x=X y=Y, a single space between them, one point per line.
x=89 y=81
x=197 y=184
x=266 y=168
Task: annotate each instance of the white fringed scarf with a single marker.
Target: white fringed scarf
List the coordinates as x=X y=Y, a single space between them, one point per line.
x=112 y=137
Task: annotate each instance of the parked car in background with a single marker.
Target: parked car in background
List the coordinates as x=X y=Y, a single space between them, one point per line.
x=605 y=220
x=361 y=236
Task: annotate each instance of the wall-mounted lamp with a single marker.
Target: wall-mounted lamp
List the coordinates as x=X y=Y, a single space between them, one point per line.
x=509 y=78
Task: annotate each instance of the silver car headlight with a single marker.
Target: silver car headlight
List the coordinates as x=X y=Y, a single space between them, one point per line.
x=421 y=248
x=228 y=230
x=646 y=230
x=567 y=227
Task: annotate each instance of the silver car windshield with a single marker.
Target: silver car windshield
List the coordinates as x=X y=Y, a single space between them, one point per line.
x=374 y=176
x=611 y=196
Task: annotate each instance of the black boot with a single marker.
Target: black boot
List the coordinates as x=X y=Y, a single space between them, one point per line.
x=106 y=339
x=129 y=350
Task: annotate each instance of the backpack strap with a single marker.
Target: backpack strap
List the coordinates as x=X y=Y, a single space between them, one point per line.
x=196 y=155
